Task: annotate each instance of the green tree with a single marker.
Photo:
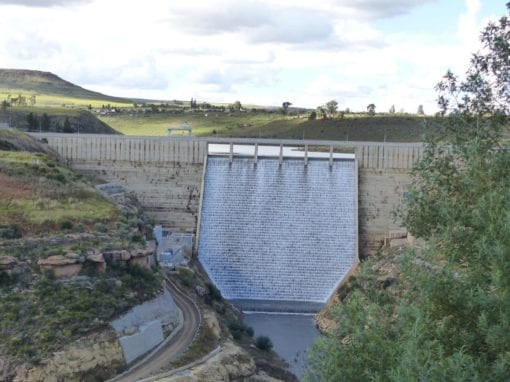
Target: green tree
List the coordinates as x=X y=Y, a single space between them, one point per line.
x=331 y=108
x=321 y=112
x=312 y=116
x=45 y=122
x=371 y=109
x=263 y=343
x=236 y=106
x=452 y=319
x=420 y=110
x=67 y=128
x=392 y=109
x=285 y=106
x=32 y=121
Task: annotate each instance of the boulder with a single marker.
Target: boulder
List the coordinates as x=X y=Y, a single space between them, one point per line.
x=212 y=322
x=141 y=262
x=398 y=242
x=117 y=255
x=61 y=265
x=98 y=260
x=72 y=256
x=8 y=263
x=95 y=257
x=57 y=261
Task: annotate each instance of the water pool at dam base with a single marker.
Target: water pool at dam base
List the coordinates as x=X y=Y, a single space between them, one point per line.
x=291 y=335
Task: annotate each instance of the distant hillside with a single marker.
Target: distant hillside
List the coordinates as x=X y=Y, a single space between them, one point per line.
x=79 y=121
x=15 y=140
x=34 y=81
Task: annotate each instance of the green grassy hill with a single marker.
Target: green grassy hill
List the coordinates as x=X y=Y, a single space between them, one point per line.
x=354 y=127
x=50 y=89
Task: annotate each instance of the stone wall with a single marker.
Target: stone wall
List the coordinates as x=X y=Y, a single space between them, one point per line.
x=166 y=174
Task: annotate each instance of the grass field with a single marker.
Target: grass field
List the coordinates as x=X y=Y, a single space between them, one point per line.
x=38 y=194
x=399 y=128
x=59 y=101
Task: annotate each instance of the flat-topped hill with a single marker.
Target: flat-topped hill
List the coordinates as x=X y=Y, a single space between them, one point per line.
x=38 y=82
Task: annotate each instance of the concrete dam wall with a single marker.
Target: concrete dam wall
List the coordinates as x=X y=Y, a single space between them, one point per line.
x=166 y=174
x=278 y=232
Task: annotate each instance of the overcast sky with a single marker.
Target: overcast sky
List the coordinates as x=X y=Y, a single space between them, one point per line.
x=256 y=51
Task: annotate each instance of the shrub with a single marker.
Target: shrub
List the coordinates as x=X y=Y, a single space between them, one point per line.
x=100 y=227
x=10 y=232
x=7 y=146
x=263 y=343
x=66 y=224
x=187 y=277
x=214 y=292
x=137 y=238
x=237 y=328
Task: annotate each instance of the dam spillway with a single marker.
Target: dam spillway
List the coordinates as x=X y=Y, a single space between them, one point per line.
x=278 y=235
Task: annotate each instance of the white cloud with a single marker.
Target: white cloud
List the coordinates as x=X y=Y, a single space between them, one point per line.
x=258 y=51
x=468 y=24
x=43 y=3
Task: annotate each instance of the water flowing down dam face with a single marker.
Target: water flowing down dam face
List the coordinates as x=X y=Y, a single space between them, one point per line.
x=278 y=236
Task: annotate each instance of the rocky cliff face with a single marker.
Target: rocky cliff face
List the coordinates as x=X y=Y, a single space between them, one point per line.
x=231 y=364
x=95 y=358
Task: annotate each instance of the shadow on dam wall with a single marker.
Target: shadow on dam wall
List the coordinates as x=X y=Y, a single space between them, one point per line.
x=166 y=174
x=278 y=235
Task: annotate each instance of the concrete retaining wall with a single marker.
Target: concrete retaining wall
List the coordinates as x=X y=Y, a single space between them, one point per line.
x=145 y=325
x=149 y=336
x=166 y=174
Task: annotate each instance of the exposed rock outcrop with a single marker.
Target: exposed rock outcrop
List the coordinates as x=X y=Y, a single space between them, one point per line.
x=97 y=356
x=70 y=264
x=231 y=364
x=63 y=266
x=8 y=263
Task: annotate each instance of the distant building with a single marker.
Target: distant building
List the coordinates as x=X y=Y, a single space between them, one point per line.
x=185 y=127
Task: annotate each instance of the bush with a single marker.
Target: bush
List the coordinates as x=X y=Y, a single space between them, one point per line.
x=237 y=328
x=187 y=277
x=214 y=292
x=7 y=146
x=10 y=232
x=100 y=227
x=137 y=238
x=66 y=224
x=263 y=343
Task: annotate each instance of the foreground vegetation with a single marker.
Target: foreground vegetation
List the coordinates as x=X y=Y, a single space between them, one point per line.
x=46 y=209
x=41 y=314
x=446 y=317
